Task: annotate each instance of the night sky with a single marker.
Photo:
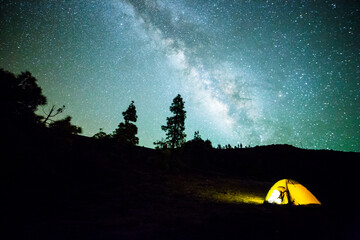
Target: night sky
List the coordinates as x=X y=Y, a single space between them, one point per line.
x=250 y=72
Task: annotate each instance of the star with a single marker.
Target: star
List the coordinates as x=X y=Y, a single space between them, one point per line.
x=250 y=72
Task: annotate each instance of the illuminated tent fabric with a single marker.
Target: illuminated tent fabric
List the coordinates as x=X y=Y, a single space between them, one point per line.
x=287 y=191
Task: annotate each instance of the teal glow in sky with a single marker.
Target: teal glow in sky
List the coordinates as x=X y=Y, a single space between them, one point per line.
x=250 y=72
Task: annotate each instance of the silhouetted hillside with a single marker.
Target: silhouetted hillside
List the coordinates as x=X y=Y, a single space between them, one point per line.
x=61 y=186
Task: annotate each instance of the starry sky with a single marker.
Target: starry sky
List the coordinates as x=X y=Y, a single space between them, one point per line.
x=251 y=72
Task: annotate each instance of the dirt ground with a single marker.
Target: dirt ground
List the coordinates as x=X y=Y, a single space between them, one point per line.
x=153 y=204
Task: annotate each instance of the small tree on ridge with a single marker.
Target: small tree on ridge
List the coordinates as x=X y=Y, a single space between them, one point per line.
x=126 y=132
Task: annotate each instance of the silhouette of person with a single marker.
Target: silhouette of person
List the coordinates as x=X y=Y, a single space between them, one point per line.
x=282 y=193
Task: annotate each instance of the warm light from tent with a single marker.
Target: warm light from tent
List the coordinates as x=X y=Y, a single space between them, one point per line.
x=237 y=197
x=225 y=191
x=275 y=197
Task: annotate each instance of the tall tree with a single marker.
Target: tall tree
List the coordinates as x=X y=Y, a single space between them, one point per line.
x=20 y=96
x=126 y=132
x=175 y=125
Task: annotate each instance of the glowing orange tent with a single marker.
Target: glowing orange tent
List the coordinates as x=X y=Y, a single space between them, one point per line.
x=287 y=191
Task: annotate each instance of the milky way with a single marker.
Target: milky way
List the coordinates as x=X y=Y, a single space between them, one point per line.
x=250 y=72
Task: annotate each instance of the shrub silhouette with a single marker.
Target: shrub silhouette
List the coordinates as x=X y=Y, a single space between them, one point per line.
x=198 y=142
x=65 y=126
x=101 y=135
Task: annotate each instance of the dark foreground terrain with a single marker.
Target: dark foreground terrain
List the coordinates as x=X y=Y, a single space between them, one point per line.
x=68 y=187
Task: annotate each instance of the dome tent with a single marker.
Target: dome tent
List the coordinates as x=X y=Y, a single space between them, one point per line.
x=287 y=191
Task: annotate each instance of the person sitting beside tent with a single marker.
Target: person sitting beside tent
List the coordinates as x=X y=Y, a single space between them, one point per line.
x=282 y=193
